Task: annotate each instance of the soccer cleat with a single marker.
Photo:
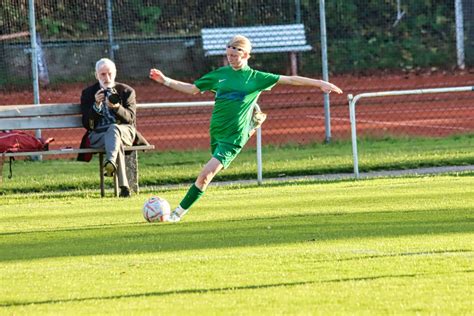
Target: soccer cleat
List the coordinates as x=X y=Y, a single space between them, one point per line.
x=174 y=217
x=109 y=168
x=124 y=192
x=177 y=215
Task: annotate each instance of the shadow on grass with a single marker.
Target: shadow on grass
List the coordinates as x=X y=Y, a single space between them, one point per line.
x=221 y=289
x=145 y=238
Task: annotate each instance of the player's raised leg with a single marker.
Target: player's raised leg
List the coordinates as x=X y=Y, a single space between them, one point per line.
x=212 y=167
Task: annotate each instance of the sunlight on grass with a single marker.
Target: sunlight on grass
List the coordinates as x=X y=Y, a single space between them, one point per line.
x=384 y=246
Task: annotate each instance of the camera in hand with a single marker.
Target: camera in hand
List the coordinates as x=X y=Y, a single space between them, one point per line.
x=112 y=95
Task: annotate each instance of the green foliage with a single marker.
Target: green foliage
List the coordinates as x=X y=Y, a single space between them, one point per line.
x=149 y=17
x=51 y=26
x=362 y=35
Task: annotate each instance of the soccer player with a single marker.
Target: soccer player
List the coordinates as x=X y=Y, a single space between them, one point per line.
x=236 y=88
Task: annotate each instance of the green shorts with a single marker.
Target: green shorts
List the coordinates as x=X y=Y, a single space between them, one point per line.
x=225 y=152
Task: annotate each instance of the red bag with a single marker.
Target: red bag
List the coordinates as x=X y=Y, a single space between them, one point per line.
x=18 y=141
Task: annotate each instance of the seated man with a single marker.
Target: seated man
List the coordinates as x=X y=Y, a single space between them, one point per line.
x=109 y=115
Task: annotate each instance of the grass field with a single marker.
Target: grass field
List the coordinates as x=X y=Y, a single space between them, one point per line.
x=162 y=168
x=380 y=246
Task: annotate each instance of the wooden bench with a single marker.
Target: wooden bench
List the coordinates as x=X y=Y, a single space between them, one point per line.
x=289 y=38
x=58 y=116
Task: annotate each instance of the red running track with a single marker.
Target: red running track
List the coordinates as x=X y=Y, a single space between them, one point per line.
x=295 y=114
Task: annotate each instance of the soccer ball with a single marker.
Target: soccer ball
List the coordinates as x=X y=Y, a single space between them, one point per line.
x=156 y=209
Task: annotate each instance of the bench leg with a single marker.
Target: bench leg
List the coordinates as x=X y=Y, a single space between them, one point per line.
x=294 y=64
x=116 y=190
x=131 y=163
x=101 y=174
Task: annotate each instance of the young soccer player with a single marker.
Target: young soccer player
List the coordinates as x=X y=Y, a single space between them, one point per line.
x=236 y=88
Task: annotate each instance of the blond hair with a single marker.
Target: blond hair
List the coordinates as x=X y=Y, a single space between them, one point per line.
x=241 y=42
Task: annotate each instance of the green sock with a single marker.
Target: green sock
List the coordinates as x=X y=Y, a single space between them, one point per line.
x=194 y=193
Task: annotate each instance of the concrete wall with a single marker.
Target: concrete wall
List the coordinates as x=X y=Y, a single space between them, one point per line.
x=75 y=61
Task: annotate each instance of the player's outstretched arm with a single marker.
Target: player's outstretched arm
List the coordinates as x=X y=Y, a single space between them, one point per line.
x=158 y=76
x=325 y=86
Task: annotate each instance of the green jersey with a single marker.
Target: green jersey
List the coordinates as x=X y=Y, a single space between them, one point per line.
x=236 y=92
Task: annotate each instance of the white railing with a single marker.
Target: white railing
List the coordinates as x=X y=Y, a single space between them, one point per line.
x=352 y=114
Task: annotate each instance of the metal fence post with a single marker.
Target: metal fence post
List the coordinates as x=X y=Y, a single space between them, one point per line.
x=352 y=117
x=110 y=29
x=298 y=11
x=459 y=33
x=259 y=156
x=34 y=61
x=324 y=57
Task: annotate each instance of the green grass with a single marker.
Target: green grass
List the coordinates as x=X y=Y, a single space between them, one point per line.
x=380 y=246
x=160 y=168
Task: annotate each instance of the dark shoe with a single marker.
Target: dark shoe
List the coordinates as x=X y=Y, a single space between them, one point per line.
x=109 y=168
x=124 y=192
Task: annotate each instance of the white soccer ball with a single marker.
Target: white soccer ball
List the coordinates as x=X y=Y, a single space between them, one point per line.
x=156 y=209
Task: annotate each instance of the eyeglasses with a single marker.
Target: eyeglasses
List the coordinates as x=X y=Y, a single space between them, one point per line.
x=236 y=48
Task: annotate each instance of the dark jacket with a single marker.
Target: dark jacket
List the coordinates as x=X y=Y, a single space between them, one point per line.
x=125 y=114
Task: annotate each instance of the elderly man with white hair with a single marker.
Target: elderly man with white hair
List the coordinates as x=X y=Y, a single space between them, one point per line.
x=109 y=115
